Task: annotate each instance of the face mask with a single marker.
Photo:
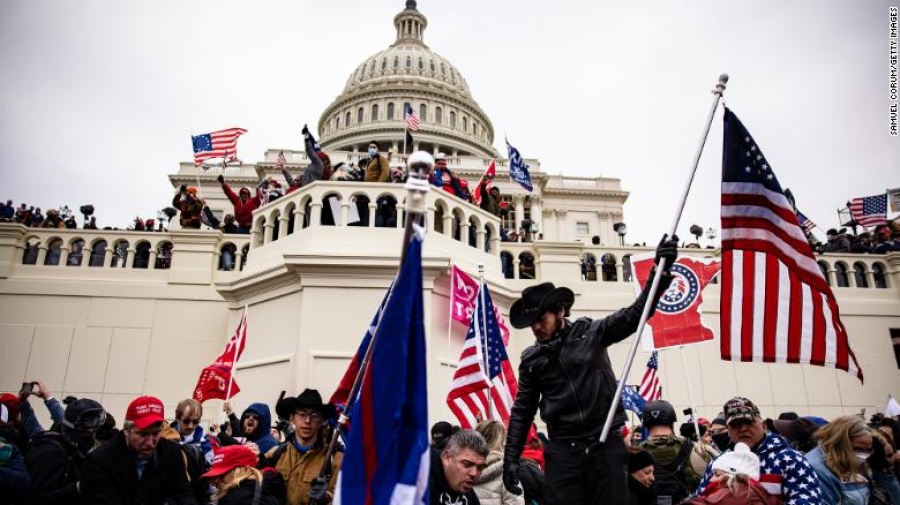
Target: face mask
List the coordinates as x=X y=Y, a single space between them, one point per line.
x=373 y=152
x=721 y=440
x=861 y=457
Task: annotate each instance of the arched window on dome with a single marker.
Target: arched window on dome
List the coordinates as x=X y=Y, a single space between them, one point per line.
x=372 y=67
x=438 y=115
x=359 y=115
x=465 y=124
x=431 y=63
x=453 y=77
x=375 y=112
x=452 y=119
x=337 y=122
x=347 y=119
x=474 y=128
x=421 y=64
x=384 y=64
x=423 y=112
x=409 y=62
x=390 y=111
x=396 y=62
x=443 y=70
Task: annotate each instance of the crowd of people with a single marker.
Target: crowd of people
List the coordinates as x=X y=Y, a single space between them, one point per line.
x=883 y=239
x=32 y=216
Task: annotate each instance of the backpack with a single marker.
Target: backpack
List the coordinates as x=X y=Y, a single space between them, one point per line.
x=670 y=487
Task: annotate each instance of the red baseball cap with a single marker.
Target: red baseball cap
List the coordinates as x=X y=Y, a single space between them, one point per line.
x=11 y=402
x=228 y=458
x=145 y=412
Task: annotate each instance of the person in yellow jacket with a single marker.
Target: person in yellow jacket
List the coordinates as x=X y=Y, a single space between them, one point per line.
x=378 y=169
x=300 y=459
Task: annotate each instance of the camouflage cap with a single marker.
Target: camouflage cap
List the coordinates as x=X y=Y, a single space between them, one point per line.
x=740 y=408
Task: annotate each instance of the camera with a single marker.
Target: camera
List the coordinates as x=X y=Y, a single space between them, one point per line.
x=28 y=388
x=688 y=411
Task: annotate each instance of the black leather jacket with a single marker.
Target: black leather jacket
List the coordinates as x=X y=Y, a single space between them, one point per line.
x=571 y=379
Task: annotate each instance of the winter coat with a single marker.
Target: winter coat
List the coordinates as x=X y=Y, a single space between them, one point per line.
x=316 y=170
x=531 y=478
x=665 y=451
x=378 y=169
x=489 y=487
x=190 y=208
x=14 y=480
x=835 y=491
x=54 y=465
x=263 y=436
x=784 y=473
x=752 y=494
x=639 y=494
x=273 y=491
x=109 y=476
x=571 y=378
x=30 y=421
x=243 y=211
x=440 y=491
x=299 y=469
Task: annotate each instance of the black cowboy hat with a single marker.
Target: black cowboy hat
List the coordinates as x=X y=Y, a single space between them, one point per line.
x=535 y=301
x=309 y=398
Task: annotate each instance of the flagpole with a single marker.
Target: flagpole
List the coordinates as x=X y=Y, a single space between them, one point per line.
x=687 y=380
x=450 y=314
x=420 y=164
x=484 y=339
x=661 y=267
x=243 y=335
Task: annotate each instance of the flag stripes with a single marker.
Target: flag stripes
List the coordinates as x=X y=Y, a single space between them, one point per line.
x=217 y=144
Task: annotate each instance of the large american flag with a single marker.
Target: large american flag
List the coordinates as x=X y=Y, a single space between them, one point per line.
x=870 y=210
x=468 y=397
x=650 y=390
x=775 y=303
x=217 y=144
x=412 y=119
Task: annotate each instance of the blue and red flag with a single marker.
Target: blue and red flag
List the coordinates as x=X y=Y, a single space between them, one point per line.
x=387 y=454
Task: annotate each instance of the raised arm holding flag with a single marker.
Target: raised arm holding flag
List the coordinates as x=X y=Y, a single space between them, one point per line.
x=217 y=380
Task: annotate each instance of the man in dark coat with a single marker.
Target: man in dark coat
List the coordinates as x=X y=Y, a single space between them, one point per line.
x=568 y=374
x=137 y=466
x=455 y=469
x=56 y=458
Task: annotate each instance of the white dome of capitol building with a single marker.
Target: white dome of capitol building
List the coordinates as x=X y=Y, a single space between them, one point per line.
x=373 y=103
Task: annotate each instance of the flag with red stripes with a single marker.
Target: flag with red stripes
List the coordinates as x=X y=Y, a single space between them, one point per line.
x=281 y=161
x=484 y=385
x=650 y=390
x=775 y=305
x=217 y=144
x=869 y=211
x=412 y=119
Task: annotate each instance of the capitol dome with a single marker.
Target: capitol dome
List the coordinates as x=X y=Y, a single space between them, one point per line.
x=372 y=104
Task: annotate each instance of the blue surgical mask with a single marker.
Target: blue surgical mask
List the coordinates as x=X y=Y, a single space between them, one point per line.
x=373 y=152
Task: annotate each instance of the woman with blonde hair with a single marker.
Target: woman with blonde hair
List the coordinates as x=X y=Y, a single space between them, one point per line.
x=489 y=488
x=839 y=461
x=238 y=482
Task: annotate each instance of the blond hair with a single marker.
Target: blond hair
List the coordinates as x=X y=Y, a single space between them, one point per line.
x=835 y=440
x=494 y=434
x=233 y=479
x=191 y=406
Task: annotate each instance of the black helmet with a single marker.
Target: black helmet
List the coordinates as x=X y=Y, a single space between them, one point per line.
x=85 y=415
x=658 y=413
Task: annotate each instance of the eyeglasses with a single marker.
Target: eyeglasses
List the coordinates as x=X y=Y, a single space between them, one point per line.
x=309 y=416
x=190 y=421
x=250 y=416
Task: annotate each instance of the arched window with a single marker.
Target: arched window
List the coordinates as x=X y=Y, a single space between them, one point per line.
x=226 y=257
x=54 y=250
x=347 y=119
x=408 y=62
x=431 y=63
x=588 y=267
x=375 y=112
x=824 y=268
x=245 y=251
x=452 y=119
x=120 y=254
x=372 y=67
x=438 y=115
x=141 y=255
x=384 y=64
x=164 y=256
x=506 y=264
x=878 y=272
x=423 y=112
x=465 y=124
x=337 y=122
x=98 y=254
x=443 y=70
x=859 y=271
x=526 y=266
x=421 y=64
x=608 y=267
x=396 y=62
x=390 y=111
x=626 y=269
x=76 y=253
x=359 y=115
x=840 y=275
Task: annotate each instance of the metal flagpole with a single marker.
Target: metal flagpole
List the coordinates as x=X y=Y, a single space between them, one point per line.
x=687 y=380
x=242 y=329
x=484 y=339
x=420 y=164
x=718 y=91
x=450 y=315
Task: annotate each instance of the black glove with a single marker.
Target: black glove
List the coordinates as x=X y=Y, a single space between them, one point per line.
x=667 y=249
x=221 y=179
x=511 y=478
x=318 y=491
x=182 y=189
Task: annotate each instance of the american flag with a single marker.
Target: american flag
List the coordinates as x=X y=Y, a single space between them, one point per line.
x=805 y=222
x=281 y=161
x=218 y=144
x=870 y=210
x=775 y=303
x=468 y=396
x=650 y=389
x=412 y=119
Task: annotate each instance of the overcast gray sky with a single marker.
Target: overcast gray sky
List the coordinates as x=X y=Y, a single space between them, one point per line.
x=98 y=99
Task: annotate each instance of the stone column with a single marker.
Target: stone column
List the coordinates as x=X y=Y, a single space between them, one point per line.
x=372 y=207
x=107 y=256
x=536 y=215
x=129 y=258
x=152 y=263
x=345 y=211
x=515 y=267
x=561 y=225
x=520 y=210
x=267 y=236
x=315 y=213
x=299 y=216
x=284 y=220
x=64 y=256
x=495 y=244
x=464 y=231
x=401 y=208
x=42 y=255
x=86 y=254
x=479 y=239
x=432 y=225
x=448 y=224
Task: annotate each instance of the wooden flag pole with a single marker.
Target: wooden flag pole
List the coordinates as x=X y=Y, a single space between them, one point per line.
x=654 y=286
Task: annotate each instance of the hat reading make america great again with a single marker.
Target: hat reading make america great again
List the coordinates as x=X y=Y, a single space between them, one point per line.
x=145 y=411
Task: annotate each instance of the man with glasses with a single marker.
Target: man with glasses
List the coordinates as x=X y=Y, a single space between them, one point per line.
x=195 y=444
x=137 y=466
x=303 y=455
x=56 y=457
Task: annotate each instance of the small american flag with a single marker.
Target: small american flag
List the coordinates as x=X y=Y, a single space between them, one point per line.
x=217 y=144
x=468 y=397
x=412 y=119
x=281 y=161
x=870 y=210
x=650 y=389
x=805 y=222
x=775 y=304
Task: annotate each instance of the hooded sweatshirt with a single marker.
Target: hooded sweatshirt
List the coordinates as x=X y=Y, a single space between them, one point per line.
x=263 y=438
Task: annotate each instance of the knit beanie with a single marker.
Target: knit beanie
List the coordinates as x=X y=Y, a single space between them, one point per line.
x=639 y=460
x=739 y=461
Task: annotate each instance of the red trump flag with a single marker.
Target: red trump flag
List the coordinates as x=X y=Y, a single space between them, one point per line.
x=463 y=292
x=216 y=381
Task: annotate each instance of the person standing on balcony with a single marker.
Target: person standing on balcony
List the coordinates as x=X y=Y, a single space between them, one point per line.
x=378 y=169
x=189 y=205
x=567 y=374
x=319 y=168
x=244 y=205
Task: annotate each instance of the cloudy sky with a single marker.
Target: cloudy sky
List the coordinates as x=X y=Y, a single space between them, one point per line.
x=98 y=99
